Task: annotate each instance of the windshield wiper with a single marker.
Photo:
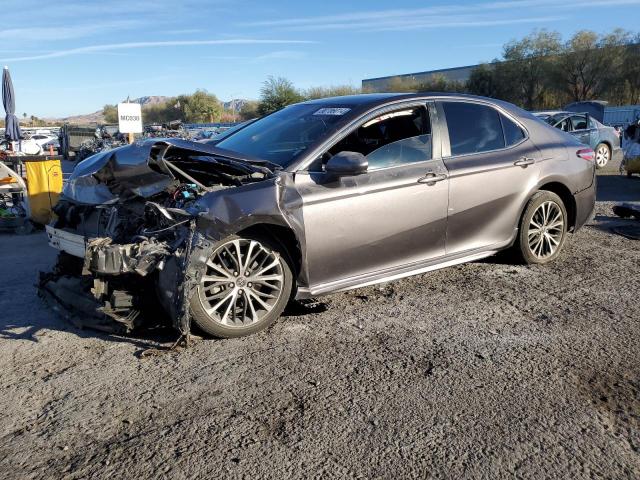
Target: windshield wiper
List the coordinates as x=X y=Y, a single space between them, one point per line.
x=222 y=153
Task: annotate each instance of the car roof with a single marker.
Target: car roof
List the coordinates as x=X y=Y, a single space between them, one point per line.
x=375 y=99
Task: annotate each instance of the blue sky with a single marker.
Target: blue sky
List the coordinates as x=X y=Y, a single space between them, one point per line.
x=73 y=56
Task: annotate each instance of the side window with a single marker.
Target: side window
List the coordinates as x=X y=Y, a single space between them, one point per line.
x=473 y=128
x=513 y=134
x=579 y=122
x=564 y=125
x=393 y=138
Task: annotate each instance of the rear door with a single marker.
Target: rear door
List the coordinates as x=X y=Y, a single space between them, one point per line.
x=581 y=130
x=393 y=215
x=492 y=166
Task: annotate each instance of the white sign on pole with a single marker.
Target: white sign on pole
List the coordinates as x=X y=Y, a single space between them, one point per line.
x=129 y=118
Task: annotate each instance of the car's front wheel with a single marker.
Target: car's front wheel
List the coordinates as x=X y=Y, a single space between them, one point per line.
x=543 y=228
x=603 y=155
x=244 y=287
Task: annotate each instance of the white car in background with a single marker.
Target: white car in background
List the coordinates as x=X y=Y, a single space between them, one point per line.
x=42 y=138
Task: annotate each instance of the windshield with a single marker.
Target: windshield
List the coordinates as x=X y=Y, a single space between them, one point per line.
x=283 y=136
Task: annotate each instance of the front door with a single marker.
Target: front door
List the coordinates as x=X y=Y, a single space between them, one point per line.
x=393 y=215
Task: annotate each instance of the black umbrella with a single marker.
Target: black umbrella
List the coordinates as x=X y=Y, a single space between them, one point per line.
x=11 y=126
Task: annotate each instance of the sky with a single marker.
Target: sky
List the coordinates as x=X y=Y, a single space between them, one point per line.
x=72 y=57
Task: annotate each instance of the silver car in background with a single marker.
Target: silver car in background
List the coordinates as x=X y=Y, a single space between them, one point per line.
x=604 y=140
x=319 y=197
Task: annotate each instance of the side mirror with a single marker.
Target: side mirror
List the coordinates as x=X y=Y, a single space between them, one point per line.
x=347 y=163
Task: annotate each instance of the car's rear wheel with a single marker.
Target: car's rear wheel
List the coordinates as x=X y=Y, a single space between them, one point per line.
x=543 y=228
x=244 y=288
x=603 y=155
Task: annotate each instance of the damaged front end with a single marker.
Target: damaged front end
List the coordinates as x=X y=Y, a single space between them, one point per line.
x=126 y=227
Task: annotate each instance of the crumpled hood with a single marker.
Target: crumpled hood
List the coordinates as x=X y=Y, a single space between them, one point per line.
x=100 y=178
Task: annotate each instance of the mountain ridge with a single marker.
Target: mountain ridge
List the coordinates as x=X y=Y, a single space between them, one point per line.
x=97 y=117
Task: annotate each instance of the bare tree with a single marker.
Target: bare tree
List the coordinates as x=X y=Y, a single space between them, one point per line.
x=589 y=63
x=525 y=73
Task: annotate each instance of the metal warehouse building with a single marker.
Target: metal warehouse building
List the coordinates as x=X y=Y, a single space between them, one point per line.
x=457 y=74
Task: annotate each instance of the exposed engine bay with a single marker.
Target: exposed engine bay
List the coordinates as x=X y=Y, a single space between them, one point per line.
x=125 y=227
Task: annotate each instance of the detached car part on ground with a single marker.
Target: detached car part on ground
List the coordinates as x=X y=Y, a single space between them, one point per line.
x=603 y=139
x=320 y=197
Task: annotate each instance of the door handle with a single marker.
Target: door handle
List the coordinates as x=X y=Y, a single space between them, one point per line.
x=523 y=162
x=432 y=178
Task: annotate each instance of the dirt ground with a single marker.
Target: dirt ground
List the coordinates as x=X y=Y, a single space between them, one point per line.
x=482 y=370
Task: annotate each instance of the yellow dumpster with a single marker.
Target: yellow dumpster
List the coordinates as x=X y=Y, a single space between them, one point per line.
x=44 y=184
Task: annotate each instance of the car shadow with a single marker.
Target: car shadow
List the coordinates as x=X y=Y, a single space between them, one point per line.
x=21 y=326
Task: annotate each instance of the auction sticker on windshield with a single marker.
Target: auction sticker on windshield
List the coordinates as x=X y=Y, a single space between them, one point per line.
x=331 y=111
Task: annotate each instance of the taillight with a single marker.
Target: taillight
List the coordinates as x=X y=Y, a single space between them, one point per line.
x=587 y=154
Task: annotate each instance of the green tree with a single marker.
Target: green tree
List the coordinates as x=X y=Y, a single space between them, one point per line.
x=483 y=81
x=440 y=83
x=249 y=110
x=526 y=73
x=277 y=93
x=110 y=113
x=331 y=91
x=200 y=107
x=162 y=112
x=630 y=70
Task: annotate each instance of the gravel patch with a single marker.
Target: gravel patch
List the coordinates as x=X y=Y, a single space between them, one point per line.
x=481 y=370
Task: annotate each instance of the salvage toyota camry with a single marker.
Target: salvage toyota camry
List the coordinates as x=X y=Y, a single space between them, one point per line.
x=319 y=197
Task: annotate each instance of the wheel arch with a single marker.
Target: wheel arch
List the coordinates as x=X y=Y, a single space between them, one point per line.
x=283 y=235
x=567 y=198
x=607 y=143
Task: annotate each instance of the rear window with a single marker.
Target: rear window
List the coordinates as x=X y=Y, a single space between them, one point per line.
x=473 y=128
x=513 y=134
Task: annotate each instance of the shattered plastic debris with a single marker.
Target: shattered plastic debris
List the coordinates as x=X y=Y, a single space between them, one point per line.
x=132 y=211
x=628 y=210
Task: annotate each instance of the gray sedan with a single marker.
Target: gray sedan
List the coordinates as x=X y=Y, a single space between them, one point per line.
x=603 y=139
x=319 y=197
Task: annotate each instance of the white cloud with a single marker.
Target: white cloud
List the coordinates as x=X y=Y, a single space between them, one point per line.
x=280 y=55
x=266 y=57
x=453 y=15
x=167 y=43
x=65 y=32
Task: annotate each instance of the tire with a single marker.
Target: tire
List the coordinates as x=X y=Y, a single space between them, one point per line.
x=629 y=174
x=545 y=247
x=603 y=155
x=253 y=302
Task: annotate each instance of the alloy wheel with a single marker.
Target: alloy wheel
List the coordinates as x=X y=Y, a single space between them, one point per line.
x=546 y=229
x=602 y=155
x=242 y=283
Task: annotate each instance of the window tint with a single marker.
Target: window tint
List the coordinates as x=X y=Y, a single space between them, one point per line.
x=394 y=138
x=579 y=122
x=512 y=133
x=473 y=128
